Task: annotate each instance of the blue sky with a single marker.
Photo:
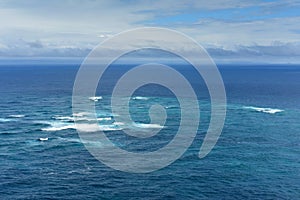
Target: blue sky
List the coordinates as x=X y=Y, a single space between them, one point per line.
x=231 y=30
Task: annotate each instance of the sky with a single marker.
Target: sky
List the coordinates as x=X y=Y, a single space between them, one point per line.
x=232 y=31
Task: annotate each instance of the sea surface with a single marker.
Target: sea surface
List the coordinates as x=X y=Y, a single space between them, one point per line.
x=256 y=157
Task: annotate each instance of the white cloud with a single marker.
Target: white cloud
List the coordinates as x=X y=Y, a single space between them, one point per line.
x=275 y=53
x=74 y=27
x=230 y=33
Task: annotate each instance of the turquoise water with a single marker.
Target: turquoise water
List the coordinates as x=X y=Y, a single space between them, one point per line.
x=257 y=155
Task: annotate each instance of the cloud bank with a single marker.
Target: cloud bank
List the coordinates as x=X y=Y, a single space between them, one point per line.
x=230 y=30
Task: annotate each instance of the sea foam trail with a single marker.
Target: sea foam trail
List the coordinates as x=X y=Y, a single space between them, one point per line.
x=83 y=127
x=58 y=126
x=72 y=119
x=16 y=116
x=6 y=120
x=95 y=98
x=81 y=114
x=140 y=125
x=140 y=98
x=64 y=118
x=95 y=127
x=264 y=110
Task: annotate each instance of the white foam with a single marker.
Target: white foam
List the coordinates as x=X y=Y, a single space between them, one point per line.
x=58 y=127
x=264 y=110
x=87 y=127
x=83 y=127
x=104 y=118
x=140 y=98
x=6 y=120
x=64 y=118
x=43 y=122
x=82 y=118
x=140 y=125
x=112 y=127
x=17 y=116
x=96 y=98
x=118 y=123
x=96 y=127
x=43 y=139
x=171 y=106
x=81 y=114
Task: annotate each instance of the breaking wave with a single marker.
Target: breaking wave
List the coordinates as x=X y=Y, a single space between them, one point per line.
x=16 y=116
x=6 y=120
x=140 y=125
x=140 y=98
x=95 y=98
x=82 y=118
x=264 y=110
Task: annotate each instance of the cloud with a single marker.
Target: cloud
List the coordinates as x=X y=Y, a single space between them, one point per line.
x=276 y=53
x=35 y=44
x=23 y=48
x=229 y=29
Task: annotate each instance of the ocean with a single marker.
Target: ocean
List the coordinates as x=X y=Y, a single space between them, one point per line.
x=256 y=157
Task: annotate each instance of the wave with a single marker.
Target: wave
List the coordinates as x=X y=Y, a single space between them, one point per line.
x=96 y=127
x=96 y=98
x=72 y=119
x=104 y=118
x=58 y=126
x=119 y=123
x=83 y=127
x=112 y=127
x=64 y=118
x=81 y=114
x=171 y=106
x=140 y=125
x=77 y=140
x=140 y=98
x=87 y=127
x=264 y=110
x=16 y=116
x=95 y=143
x=6 y=120
x=43 y=139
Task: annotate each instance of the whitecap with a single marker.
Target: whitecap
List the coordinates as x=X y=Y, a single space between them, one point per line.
x=43 y=139
x=59 y=127
x=118 y=123
x=93 y=119
x=64 y=118
x=96 y=98
x=171 y=106
x=68 y=118
x=83 y=127
x=6 y=120
x=43 y=122
x=104 y=118
x=67 y=122
x=81 y=114
x=155 y=126
x=140 y=98
x=96 y=127
x=264 y=110
x=56 y=125
x=16 y=116
x=112 y=127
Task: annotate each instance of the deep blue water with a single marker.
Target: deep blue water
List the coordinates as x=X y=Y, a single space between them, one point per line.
x=256 y=157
